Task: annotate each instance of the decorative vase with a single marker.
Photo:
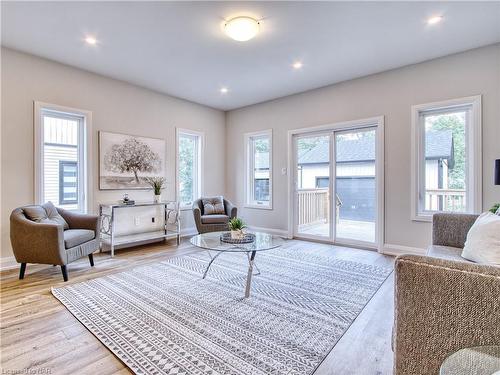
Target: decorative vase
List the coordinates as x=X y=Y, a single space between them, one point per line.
x=157 y=198
x=237 y=234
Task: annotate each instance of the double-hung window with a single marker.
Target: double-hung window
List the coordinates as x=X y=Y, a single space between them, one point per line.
x=259 y=169
x=189 y=158
x=446 y=157
x=61 y=156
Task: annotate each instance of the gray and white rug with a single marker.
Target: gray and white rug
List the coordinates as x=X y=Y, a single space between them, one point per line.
x=164 y=318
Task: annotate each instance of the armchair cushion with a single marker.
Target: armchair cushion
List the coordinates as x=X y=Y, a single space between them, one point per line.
x=213 y=206
x=46 y=213
x=53 y=215
x=214 y=219
x=75 y=237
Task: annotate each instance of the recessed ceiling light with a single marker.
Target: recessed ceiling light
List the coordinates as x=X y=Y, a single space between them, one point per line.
x=91 y=40
x=241 y=28
x=224 y=90
x=434 y=20
x=297 y=65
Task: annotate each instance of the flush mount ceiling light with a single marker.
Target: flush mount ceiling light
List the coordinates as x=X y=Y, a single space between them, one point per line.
x=297 y=65
x=91 y=40
x=434 y=20
x=224 y=90
x=241 y=28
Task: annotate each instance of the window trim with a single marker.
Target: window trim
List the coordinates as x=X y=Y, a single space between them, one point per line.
x=474 y=153
x=201 y=152
x=86 y=193
x=249 y=160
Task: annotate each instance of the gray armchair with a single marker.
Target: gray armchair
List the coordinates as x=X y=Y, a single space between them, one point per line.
x=52 y=236
x=213 y=223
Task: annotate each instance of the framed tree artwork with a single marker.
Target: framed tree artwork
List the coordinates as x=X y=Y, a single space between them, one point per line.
x=125 y=161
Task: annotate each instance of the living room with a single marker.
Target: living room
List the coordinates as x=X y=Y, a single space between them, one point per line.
x=346 y=148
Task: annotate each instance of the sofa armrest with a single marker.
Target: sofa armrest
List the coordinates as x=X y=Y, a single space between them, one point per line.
x=442 y=306
x=451 y=229
x=197 y=216
x=34 y=242
x=78 y=220
x=231 y=209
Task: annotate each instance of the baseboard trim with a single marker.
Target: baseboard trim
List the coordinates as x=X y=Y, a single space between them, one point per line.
x=8 y=263
x=276 y=232
x=395 y=250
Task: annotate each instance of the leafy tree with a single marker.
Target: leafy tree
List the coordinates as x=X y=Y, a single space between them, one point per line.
x=186 y=161
x=456 y=123
x=133 y=156
x=307 y=144
x=262 y=145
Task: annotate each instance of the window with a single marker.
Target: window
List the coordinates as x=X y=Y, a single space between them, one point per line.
x=61 y=155
x=322 y=182
x=446 y=157
x=259 y=169
x=189 y=151
x=68 y=182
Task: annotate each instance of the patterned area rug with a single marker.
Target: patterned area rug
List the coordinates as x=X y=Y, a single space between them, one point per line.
x=165 y=319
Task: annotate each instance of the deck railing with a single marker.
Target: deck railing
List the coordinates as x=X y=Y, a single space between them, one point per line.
x=313 y=206
x=445 y=200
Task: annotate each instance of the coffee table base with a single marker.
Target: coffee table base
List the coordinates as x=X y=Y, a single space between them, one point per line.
x=249 y=275
x=251 y=264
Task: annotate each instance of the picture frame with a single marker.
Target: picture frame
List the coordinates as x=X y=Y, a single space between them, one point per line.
x=125 y=160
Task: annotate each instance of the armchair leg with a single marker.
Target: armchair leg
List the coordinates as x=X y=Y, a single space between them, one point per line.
x=91 y=259
x=22 y=270
x=64 y=272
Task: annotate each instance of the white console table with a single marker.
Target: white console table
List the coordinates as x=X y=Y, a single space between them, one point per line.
x=107 y=213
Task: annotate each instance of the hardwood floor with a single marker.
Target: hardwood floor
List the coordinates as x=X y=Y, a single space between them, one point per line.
x=38 y=333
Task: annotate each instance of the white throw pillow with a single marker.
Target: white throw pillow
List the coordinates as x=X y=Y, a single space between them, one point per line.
x=483 y=240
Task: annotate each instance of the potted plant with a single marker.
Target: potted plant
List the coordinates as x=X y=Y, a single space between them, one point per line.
x=157 y=184
x=236 y=226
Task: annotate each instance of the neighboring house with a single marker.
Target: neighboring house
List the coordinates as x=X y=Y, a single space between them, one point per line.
x=261 y=176
x=60 y=163
x=355 y=171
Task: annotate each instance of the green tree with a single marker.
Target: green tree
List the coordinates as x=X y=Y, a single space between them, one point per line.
x=306 y=144
x=186 y=165
x=456 y=123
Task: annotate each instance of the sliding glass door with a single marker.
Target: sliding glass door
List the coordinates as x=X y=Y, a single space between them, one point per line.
x=335 y=187
x=355 y=185
x=312 y=186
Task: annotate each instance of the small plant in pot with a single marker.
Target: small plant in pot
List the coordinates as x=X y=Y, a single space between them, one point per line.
x=236 y=226
x=157 y=183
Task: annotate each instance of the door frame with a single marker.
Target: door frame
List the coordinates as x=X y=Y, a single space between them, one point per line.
x=379 y=123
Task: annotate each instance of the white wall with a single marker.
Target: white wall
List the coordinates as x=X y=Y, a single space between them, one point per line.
x=390 y=94
x=125 y=108
x=116 y=106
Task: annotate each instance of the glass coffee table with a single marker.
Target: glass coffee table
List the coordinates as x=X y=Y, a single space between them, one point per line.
x=211 y=242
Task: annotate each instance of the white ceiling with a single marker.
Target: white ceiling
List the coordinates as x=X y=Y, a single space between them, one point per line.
x=178 y=48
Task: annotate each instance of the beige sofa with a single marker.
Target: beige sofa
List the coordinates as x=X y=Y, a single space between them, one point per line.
x=47 y=242
x=442 y=302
